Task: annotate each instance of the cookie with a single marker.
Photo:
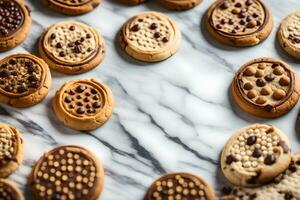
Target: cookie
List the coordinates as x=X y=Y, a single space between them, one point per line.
x=179 y=4
x=72 y=7
x=132 y=2
x=285 y=186
x=83 y=104
x=255 y=155
x=25 y=80
x=150 y=37
x=71 y=47
x=8 y=191
x=289 y=34
x=15 y=23
x=11 y=150
x=67 y=172
x=180 y=186
x=266 y=87
x=239 y=22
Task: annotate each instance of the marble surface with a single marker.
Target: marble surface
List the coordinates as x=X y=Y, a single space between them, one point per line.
x=170 y=116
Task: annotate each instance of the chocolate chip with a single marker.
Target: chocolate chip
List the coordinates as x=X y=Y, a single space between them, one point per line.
x=79 y=104
x=270 y=159
x=153 y=26
x=242 y=15
x=95 y=98
x=89 y=49
x=80 y=110
x=292 y=167
x=87 y=94
x=72 y=28
x=284 y=146
x=8 y=88
x=270 y=77
x=62 y=54
x=230 y=159
x=88 y=106
x=165 y=40
x=53 y=36
x=298 y=162
x=226 y=190
x=4 y=65
x=88 y=36
x=238 y=5
x=78 y=97
x=77 y=42
x=71 y=92
x=249 y=2
x=253 y=179
x=68 y=99
x=230 y=22
x=278 y=179
x=224 y=5
x=135 y=28
x=89 y=111
x=94 y=91
x=242 y=22
x=251 y=140
x=288 y=196
x=223 y=21
x=260 y=82
x=58 y=45
x=96 y=105
x=157 y=34
x=81 y=39
x=21 y=89
x=270 y=130
x=86 y=99
x=12 y=62
x=71 y=106
x=77 y=49
x=255 y=15
x=80 y=88
x=4 y=73
x=256 y=153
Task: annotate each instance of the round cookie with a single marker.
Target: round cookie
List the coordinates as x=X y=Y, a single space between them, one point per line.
x=25 y=80
x=179 y=4
x=255 y=155
x=11 y=150
x=15 y=23
x=72 y=47
x=132 y=2
x=150 y=37
x=179 y=186
x=289 y=34
x=67 y=172
x=239 y=22
x=8 y=191
x=266 y=87
x=72 y=7
x=285 y=186
x=83 y=104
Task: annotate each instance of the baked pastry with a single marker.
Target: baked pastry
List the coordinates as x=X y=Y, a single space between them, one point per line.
x=15 y=23
x=179 y=4
x=150 y=37
x=8 y=191
x=180 y=186
x=255 y=155
x=266 y=87
x=11 y=150
x=285 y=186
x=83 y=104
x=239 y=22
x=25 y=80
x=72 y=47
x=72 y=7
x=67 y=172
x=132 y=2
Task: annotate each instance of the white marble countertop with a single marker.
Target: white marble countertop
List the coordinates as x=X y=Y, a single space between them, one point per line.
x=170 y=116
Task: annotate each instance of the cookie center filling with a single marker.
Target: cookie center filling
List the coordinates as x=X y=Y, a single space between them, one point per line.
x=20 y=76
x=238 y=17
x=11 y=17
x=8 y=146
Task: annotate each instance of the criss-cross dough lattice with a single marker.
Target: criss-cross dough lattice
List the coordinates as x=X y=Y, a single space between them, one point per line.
x=73 y=2
x=231 y=18
x=255 y=155
x=150 y=36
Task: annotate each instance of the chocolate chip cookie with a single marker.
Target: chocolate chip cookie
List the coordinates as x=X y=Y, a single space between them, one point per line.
x=255 y=155
x=15 y=23
x=83 y=104
x=266 y=87
x=8 y=191
x=285 y=186
x=67 y=172
x=289 y=34
x=72 y=47
x=179 y=4
x=239 y=22
x=150 y=37
x=72 y=7
x=180 y=186
x=25 y=80
x=11 y=150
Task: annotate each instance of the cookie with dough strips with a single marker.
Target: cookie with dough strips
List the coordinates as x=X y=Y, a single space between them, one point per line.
x=289 y=34
x=83 y=104
x=179 y=4
x=266 y=87
x=285 y=186
x=15 y=23
x=239 y=22
x=150 y=37
x=180 y=186
x=72 y=47
x=25 y=80
x=9 y=191
x=72 y=7
x=67 y=172
x=255 y=155
x=11 y=150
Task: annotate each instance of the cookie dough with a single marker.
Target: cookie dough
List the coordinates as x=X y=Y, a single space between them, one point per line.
x=179 y=4
x=67 y=172
x=255 y=155
x=72 y=47
x=266 y=87
x=25 y=80
x=83 y=104
x=15 y=23
x=11 y=150
x=150 y=37
x=72 y=7
x=239 y=22
x=8 y=191
x=179 y=186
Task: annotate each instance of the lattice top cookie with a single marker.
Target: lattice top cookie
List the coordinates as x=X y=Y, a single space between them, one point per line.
x=71 y=43
x=238 y=17
x=9 y=191
x=72 y=2
x=9 y=145
x=67 y=172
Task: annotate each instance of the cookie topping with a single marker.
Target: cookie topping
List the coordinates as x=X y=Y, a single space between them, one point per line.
x=284 y=146
x=8 y=146
x=270 y=159
x=251 y=140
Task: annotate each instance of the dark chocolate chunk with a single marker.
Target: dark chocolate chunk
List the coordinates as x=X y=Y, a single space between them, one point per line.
x=230 y=159
x=77 y=49
x=33 y=78
x=165 y=40
x=238 y=5
x=58 y=45
x=270 y=77
x=88 y=106
x=21 y=89
x=157 y=34
x=224 y=5
x=53 y=36
x=4 y=73
x=278 y=178
x=78 y=97
x=95 y=98
x=226 y=190
x=87 y=94
x=249 y=2
x=86 y=99
x=12 y=62
x=260 y=82
x=96 y=105
x=94 y=91
x=218 y=26
x=68 y=99
x=8 y=88
x=79 y=104
x=88 y=36
x=153 y=26
x=62 y=54
x=256 y=153
x=72 y=28
x=270 y=159
x=288 y=196
x=284 y=146
x=230 y=22
x=251 y=140
x=135 y=28
x=80 y=88
x=298 y=162
x=4 y=65
x=80 y=110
